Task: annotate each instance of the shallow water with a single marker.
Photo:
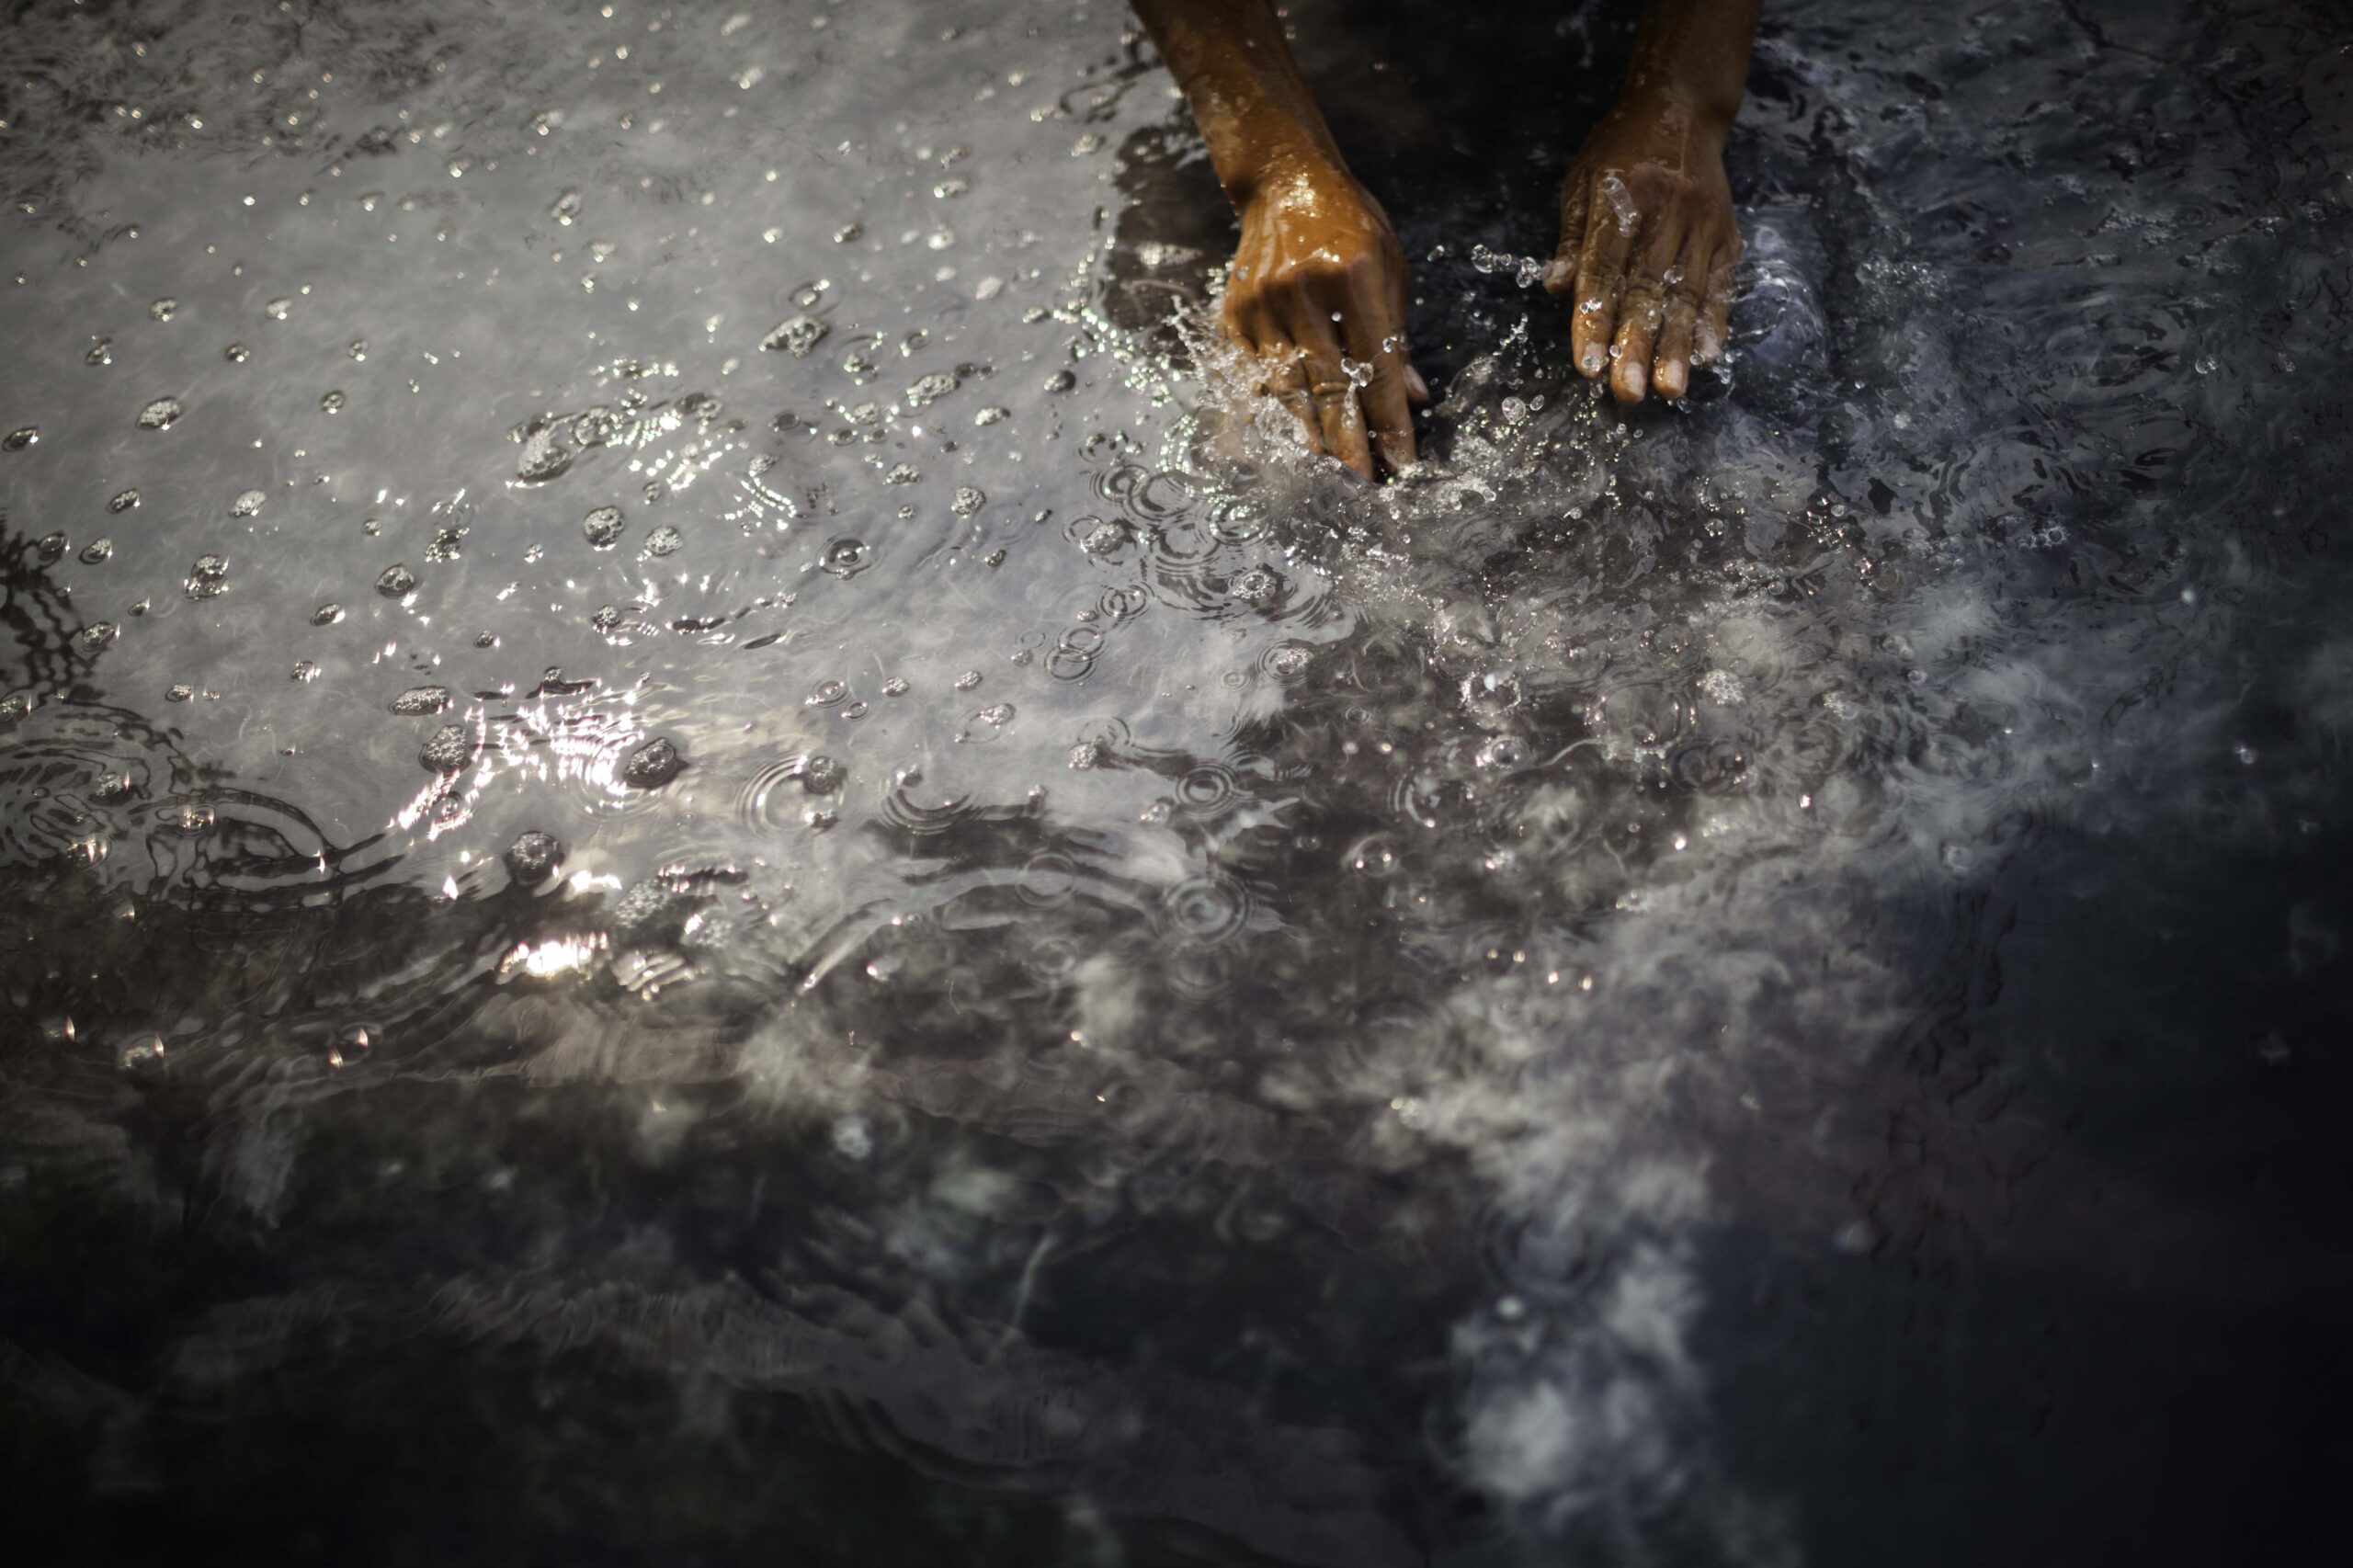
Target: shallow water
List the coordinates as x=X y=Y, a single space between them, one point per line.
x=625 y=943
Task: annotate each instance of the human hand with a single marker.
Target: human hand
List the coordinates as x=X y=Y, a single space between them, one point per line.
x=1317 y=295
x=1648 y=248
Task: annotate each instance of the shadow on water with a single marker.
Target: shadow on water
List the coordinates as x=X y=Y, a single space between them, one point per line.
x=916 y=943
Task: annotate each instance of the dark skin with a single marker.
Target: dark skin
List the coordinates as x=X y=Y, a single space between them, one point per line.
x=1316 y=295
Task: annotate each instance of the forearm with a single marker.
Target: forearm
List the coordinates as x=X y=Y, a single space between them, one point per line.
x=1236 y=72
x=1691 y=56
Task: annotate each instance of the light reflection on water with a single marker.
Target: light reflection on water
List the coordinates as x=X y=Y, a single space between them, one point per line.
x=871 y=914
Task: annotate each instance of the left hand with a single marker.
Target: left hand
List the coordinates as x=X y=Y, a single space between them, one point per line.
x=1648 y=248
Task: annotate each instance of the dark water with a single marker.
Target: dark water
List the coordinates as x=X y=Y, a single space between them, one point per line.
x=988 y=968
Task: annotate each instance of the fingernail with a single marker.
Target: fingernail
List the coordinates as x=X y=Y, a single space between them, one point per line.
x=1556 y=277
x=1421 y=388
x=1591 y=360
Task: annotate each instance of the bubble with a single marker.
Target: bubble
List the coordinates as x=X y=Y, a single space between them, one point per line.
x=996 y=716
x=101 y=352
x=663 y=540
x=163 y=309
x=396 y=579
x=532 y=856
x=178 y=692
x=904 y=473
x=796 y=336
x=968 y=680
x=278 y=309
x=191 y=818
x=848 y=233
x=990 y=415
x=895 y=686
x=123 y=500
x=208 y=577
x=97 y=634
x=447 y=750
x=50 y=549
x=603 y=527
x=331 y=403
x=246 y=504
x=1060 y=382
x=143 y=1053
x=1374 y=857
x=15 y=707
x=845 y=558
x=1261 y=587
x=420 y=699
x=326 y=615
x=969 y=500
x=159 y=414
x=653 y=765
x=17 y=440
x=352 y=1043
x=305 y=670
x=827 y=693
x=358 y=350
x=237 y=354
x=1102 y=537
x=98 y=550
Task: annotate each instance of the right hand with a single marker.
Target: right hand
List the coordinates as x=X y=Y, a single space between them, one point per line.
x=1318 y=286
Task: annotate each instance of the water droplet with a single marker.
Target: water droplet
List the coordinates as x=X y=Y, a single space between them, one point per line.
x=848 y=233
x=930 y=389
x=278 y=309
x=969 y=500
x=664 y=540
x=98 y=550
x=246 y=504
x=208 y=577
x=990 y=415
x=123 y=501
x=532 y=856
x=847 y=558
x=50 y=549
x=604 y=527
x=143 y=1053
x=396 y=580
x=101 y=352
x=418 y=700
x=163 y=309
x=331 y=403
x=968 y=680
x=99 y=634
x=237 y=354
x=823 y=776
x=653 y=765
x=17 y=440
x=895 y=686
x=179 y=693
x=796 y=336
x=902 y=473
x=826 y=693
x=447 y=750
x=566 y=207
x=305 y=670
x=326 y=615
x=159 y=414
x=1060 y=382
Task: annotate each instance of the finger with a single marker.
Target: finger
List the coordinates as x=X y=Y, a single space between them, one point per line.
x=1377 y=338
x=1328 y=387
x=1671 y=364
x=1715 y=310
x=1642 y=306
x=1577 y=200
x=1417 y=391
x=1601 y=269
x=1286 y=382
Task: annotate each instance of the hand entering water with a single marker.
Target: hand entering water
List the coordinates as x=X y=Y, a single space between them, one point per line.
x=1318 y=294
x=1648 y=242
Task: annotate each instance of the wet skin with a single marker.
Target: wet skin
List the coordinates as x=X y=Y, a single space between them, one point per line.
x=1648 y=244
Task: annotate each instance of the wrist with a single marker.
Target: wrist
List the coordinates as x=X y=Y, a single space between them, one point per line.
x=1673 y=110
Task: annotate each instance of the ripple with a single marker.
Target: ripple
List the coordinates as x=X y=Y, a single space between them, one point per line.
x=785 y=793
x=1208 y=789
x=1207 y=910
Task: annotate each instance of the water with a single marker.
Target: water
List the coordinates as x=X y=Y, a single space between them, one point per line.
x=924 y=944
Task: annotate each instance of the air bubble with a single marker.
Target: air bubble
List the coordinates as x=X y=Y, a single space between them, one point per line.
x=796 y=336
x=159 y=414
x=419 y=701
x=663 y=540
x=969 y=500
x=17 y=440
x=604 y=527
x=395 y=581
